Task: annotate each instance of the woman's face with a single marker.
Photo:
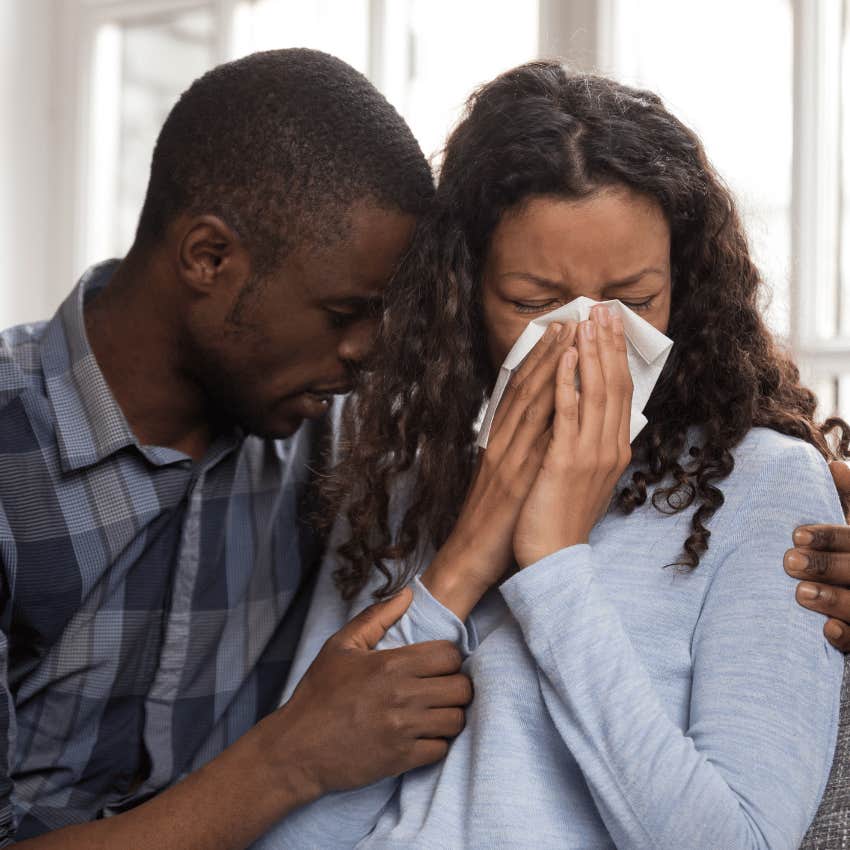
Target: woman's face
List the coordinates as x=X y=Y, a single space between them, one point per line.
x=613 y=244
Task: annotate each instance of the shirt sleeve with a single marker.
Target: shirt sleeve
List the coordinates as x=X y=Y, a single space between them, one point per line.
x=341 y=819
x=750 y=768
x=8 y=817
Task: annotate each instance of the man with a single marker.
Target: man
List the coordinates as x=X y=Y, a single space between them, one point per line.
x=152 y=462
x=821 y=560
x=152 y=465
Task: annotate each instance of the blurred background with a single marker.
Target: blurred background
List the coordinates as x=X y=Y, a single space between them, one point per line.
x=86 y=84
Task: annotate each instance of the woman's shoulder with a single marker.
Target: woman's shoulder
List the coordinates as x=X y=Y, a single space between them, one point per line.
x=780 y=471
x=763 y=449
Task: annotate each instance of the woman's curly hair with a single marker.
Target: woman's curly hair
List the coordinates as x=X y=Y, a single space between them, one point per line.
x=540 y=130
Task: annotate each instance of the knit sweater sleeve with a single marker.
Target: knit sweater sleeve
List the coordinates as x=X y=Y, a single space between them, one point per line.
x=340 y=820
x=751 y=766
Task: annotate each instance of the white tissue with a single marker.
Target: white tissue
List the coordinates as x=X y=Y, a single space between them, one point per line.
x=647 y=350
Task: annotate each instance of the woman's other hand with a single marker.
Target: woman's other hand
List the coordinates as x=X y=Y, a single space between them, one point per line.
x=479 y=550
x=821 y=560
x=589 y=449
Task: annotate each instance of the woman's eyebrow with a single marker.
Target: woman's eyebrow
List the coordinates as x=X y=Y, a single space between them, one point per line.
x=611 y=284
x=534 y=278
x=634 y=278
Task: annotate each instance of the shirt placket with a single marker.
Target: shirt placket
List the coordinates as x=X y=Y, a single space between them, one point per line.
x=165 y=690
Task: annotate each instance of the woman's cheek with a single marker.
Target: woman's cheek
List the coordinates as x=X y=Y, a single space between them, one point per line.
x=502 y=337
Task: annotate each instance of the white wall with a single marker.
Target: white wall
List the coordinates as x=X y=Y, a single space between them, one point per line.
x=27 y=127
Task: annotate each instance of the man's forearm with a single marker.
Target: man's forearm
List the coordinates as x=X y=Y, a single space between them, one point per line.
x=225 y=805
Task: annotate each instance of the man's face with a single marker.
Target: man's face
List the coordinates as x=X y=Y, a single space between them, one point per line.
x=276 y=357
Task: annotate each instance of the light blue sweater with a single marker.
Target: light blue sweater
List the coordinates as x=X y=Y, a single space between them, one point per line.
x=618 y=703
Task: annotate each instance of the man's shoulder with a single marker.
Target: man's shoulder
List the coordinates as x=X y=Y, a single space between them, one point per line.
x=25 y=414
x=20 y=357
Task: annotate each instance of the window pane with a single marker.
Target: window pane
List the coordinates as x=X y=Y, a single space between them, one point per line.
x=140 y=69
x=842 y=295
x=339 y=27
x=160 y=60
x=737 y=97
x=454 y=48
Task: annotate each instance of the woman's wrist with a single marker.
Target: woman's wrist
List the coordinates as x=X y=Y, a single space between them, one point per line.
x=454 y=583
x=528 y=555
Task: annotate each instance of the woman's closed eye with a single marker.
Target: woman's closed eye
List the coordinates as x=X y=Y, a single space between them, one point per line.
x=638 y=306
x=551 y=304
x=535 y=307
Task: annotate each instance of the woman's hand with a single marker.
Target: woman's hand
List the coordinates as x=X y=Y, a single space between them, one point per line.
x=479 y=549
x=589 y=449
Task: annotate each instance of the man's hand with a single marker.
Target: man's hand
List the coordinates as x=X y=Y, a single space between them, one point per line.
x=821 y=559
x=359 y=715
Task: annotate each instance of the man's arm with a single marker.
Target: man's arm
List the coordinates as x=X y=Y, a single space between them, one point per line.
x=820 y=559
x=358 y=715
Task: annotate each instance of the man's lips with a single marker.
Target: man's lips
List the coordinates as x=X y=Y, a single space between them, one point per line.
x=327 y=392
x=315 y=402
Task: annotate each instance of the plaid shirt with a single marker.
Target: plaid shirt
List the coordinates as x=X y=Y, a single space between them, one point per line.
x=150 y=605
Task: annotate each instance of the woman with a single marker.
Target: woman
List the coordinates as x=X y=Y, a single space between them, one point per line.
x=643 y=676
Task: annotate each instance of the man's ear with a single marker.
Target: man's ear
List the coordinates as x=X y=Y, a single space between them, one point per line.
x=210 y=255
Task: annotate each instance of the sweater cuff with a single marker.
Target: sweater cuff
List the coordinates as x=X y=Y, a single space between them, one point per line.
x=428 y=619
x=539 y=588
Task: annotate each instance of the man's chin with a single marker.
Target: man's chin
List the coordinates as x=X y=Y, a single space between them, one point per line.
x=288 y=417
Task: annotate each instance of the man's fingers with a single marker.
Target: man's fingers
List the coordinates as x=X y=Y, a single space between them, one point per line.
x=829 y=600
x=813 y=564
x=838 y=634
x=442 y=722
x=431 y=658
x=427 y=751
x=829 y=538
x=444 y=691
x=370 y=625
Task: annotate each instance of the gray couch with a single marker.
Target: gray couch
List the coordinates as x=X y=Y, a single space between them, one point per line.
x=831 y=827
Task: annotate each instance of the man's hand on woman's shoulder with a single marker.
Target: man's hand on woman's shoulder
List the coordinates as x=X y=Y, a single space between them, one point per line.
x=821 y=560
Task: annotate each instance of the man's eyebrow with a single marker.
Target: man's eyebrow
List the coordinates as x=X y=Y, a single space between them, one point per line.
x=554 y=284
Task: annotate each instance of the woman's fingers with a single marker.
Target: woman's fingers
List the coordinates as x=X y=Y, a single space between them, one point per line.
x=593 y=395
x=566 y=425
x=628 y=384
x=612 y=363
x=517 y=386
x=531 y=394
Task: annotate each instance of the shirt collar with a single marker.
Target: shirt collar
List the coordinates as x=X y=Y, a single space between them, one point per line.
x=89 y=423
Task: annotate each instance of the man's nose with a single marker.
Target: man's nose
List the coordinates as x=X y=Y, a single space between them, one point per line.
x=358 y=341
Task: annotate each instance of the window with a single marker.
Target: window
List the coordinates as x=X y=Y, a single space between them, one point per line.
x=702 y=66
x=765 y=83
x=141 y=65
x=820 y=331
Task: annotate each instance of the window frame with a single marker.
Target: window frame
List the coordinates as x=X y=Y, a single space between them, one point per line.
x=586 y=33
x=78 y=22
x=816 y=194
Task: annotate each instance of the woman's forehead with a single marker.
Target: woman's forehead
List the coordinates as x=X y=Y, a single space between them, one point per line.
x=604 y=234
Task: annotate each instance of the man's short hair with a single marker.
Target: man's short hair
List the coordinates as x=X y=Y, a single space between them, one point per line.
x=280 y=145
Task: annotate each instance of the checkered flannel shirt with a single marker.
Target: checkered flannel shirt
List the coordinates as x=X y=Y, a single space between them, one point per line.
x=149 y=605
